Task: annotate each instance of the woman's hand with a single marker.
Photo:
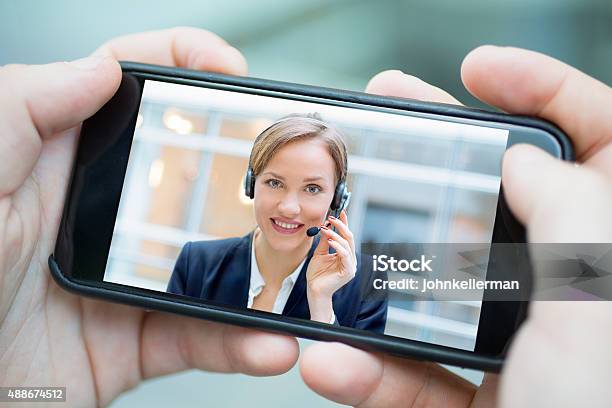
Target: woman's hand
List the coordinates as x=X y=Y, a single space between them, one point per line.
x=49 y=337
x=329 y=272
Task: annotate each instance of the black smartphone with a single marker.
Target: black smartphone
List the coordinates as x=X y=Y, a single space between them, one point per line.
x=161 y=211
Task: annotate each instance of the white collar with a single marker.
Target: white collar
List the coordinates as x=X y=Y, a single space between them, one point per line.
x=257 y=280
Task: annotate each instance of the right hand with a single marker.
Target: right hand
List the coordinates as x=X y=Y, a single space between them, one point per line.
x=561 y=355
x=327 y=272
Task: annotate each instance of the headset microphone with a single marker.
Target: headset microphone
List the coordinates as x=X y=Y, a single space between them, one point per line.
x=312 y=231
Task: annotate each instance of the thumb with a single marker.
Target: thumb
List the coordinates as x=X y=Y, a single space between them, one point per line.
x=39 y=101
x=557 y=201
x=323 y=246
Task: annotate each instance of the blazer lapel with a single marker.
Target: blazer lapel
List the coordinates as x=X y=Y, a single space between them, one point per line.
x=234 y=275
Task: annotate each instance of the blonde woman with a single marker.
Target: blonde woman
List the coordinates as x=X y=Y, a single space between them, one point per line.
x=297 y=179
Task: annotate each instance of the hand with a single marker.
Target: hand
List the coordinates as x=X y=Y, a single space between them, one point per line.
x=49 y=337
x=561 y=355
x=327 y=272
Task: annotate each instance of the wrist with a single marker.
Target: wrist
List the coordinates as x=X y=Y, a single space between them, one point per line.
x=320 y=305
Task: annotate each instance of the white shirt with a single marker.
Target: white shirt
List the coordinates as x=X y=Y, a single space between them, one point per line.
x=257 y=284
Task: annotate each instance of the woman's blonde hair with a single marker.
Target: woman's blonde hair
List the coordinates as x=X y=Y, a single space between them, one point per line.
x=291 y=129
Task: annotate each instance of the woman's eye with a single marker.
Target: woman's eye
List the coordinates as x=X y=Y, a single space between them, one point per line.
x=313 y=189
x=273 y=183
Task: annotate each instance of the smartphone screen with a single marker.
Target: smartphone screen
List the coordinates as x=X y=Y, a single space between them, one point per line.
x=163 y=206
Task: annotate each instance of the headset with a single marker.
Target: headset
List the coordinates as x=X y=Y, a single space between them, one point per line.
x=342 y=196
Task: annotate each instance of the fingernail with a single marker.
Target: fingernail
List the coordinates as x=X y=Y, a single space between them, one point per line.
x=88 y=63
x=324 y=227
x=238 y=62
x=331 y=217
x=526 y=156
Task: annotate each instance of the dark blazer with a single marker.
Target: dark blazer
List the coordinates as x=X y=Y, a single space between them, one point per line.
x=219 y=271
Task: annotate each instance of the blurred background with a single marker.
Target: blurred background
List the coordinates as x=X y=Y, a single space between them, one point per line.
x=413 y=180
x=339 y=44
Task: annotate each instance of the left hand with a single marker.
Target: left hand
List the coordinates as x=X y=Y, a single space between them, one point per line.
x=48 y=336
x=327 y=272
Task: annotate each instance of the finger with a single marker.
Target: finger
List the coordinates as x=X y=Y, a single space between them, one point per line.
x=486 y=394
x=354 y=377
x=345 y=233
x=340 y=250
x=344 y=219
x=396 y=83
x=323 y=246
x=345 y=257
x=126 y=345
x=39 y=101
x=328 y=233
x=557 y=200
x=526 y=82
x=171 y=344
x=556 y=335
x=185 y=47
x=343 y=229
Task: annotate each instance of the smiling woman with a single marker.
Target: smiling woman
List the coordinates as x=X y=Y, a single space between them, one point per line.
x=297 y=179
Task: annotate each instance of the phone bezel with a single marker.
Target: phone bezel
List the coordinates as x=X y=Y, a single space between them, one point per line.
x=63 y=273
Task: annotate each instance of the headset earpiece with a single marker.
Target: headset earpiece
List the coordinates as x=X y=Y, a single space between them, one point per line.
x=249 y=183
x=345 y=198
x=339 y=195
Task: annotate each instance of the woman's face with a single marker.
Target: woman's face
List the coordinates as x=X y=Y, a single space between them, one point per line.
x=294 y=192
